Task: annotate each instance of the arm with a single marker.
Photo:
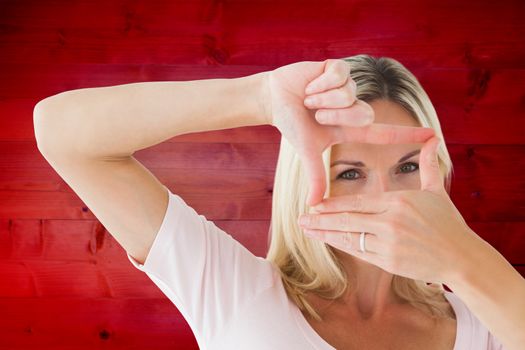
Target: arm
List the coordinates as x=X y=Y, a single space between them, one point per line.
x=89 y=135
x=116 y=121
x=495 y=292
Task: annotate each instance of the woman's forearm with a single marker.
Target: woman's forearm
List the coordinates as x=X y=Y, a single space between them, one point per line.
x=116 y=121
x=495 y=292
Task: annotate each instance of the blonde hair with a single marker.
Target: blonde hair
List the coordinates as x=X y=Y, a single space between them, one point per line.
x=308 y=265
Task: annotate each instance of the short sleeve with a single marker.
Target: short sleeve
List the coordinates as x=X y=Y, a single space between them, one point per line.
x=494 y=343
x=204 y=271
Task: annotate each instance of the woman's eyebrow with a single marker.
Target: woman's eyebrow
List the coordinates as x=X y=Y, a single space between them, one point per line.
x=361 y=164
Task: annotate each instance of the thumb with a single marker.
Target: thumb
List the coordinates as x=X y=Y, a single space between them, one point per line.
x=315 y=172
x=429 y=166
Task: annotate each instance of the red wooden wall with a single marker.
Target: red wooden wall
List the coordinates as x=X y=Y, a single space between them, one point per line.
x=64 y=281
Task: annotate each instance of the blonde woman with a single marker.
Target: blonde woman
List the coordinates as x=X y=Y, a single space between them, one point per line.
x=366 y=268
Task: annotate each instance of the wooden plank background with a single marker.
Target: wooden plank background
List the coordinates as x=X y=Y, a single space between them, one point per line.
x=67 y=284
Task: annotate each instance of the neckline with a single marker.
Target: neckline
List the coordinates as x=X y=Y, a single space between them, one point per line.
x=462 y=326
x=320 y=344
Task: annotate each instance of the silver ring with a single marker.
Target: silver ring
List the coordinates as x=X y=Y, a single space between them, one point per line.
x=362 y=242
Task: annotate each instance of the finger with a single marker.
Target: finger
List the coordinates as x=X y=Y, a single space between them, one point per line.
x=431 y=178
x=373 y=203
x=358 y=115
x=349 y=242
x=315 y=173
x=341 y=97
x=336 y=73
x=343 y=221
x=383 y=134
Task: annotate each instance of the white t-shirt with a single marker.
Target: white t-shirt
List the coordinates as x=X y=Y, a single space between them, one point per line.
x=233 y=299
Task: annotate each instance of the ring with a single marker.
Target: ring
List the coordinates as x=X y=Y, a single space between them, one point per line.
x=347 y=239
x=362 y=242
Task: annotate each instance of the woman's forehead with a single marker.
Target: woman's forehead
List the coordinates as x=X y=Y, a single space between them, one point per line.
x=386 y=112
x=364 y=151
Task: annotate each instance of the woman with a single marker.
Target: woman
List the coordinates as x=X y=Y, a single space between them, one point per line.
x=338 y=288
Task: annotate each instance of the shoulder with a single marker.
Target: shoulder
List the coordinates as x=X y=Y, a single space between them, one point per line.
x=470 y=329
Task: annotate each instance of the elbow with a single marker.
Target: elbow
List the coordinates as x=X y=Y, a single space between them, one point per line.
x=48 y=123
x=41 y=125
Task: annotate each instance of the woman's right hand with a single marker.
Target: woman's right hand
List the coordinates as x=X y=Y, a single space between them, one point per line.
x=348 y=119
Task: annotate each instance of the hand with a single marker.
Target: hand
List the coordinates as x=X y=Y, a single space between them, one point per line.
x=418 y=234
x=348 y=119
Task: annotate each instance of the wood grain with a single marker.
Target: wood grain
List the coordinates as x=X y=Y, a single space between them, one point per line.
x=67 y=284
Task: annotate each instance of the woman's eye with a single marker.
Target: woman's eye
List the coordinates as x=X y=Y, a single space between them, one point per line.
x=351 y=171
x=409 y=167
x=414 y=166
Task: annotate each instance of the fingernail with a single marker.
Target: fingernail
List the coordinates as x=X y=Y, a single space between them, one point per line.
x=309 y=89
x=368 y=118
x=321 y=117
x=361 y=121
x=303 y=220
x=365 y=120
x=318 y=207
x=309 y=101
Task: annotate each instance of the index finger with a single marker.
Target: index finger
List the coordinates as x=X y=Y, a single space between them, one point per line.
x=383 y=134
x=374 y=203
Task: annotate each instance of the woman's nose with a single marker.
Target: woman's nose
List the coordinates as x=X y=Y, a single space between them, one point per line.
x=381 y=183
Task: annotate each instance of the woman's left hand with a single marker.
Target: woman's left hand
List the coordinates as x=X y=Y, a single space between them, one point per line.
x=418 y=234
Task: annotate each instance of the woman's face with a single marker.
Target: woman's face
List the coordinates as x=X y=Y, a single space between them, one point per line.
x=379 y=169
